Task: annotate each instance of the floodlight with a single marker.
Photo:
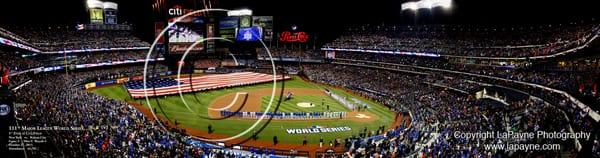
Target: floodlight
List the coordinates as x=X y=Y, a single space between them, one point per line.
x=94 y=4
x=240 y=12
x=426 y=4
x=443 y=3
x=410 y=6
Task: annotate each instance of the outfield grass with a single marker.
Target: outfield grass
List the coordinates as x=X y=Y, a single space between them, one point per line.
x=173 y=108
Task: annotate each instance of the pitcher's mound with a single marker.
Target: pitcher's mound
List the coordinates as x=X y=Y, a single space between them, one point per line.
x=305 y=105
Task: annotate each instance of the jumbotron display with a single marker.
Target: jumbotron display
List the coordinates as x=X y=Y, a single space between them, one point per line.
x=308 y=79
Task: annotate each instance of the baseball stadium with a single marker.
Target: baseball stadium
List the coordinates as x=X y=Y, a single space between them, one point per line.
x=306 y=79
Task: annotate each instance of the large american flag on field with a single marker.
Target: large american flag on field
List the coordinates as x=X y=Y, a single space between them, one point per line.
x=167 y=86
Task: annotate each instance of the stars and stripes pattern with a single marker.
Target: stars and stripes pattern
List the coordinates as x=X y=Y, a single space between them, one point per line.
x=168 y=86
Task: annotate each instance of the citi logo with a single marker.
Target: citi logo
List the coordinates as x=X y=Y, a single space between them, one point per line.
x=176 y=11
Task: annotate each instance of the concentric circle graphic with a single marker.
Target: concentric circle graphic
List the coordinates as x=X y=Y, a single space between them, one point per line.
x=179 y=66
x=152 y=47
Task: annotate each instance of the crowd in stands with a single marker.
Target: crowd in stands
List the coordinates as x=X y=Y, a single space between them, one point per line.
x=440 y=103
x=290 y=53
x=111 y=128
x=463 y=40
x=11 y=36
x=113 y=56
x=207 y=63
x=17 y=63
x=120 y=130
x=116 y=73
x=93 y=57
x=583 y=85
x=444 y=112
x=57 y=38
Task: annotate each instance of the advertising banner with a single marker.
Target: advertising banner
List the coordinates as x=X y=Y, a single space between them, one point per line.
x=122 y=80
x=228 y=27
x=90 y=85
x=107 y=82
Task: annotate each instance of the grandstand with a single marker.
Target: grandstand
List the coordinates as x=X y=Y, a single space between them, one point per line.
x=465 y=40
x=68 y=38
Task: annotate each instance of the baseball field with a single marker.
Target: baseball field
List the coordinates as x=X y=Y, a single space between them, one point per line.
x=203 y=111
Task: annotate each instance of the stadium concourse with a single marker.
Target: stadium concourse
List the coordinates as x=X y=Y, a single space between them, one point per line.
x=441 y=95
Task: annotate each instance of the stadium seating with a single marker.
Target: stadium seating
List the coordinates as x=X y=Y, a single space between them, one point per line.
x=60 y=38
x=579 y=84
x=464 y=40
x=17 y=63
x=299 y=53
x=439 y=112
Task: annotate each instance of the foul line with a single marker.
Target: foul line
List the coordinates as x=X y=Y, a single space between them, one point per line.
x=232 y=102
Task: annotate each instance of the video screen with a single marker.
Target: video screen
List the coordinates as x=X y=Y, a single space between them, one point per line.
x=249 y=34
x=185 y=33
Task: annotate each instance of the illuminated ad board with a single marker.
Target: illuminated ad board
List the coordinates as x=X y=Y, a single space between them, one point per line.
x=184 y=33
x=228 y=26
x=96 y=16
x=288 y=36
x=111 y=16
x=266 y=23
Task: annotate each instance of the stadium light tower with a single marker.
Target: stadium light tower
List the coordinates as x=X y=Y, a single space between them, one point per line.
x=426 y=4
x=240 y=12
x=93 y=3
x=410 y=6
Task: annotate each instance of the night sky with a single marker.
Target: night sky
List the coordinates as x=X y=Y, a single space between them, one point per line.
x=322 y=17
